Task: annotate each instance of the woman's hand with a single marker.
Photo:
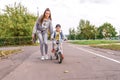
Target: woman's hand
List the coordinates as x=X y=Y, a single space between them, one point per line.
x=33 y=36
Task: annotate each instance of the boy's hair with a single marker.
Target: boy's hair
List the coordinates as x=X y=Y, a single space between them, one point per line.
x=58 y=25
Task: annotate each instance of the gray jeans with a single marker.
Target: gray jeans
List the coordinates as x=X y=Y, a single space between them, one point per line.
x=43 y=37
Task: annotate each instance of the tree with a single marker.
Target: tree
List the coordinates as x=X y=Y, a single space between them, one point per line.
x=85 y=30
x=16 y=21
x=72 y=35
x=106 y=31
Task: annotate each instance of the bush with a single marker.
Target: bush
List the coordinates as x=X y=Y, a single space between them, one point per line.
x=15 y=41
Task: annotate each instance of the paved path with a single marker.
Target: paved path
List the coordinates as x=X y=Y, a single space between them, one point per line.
x=81 y=62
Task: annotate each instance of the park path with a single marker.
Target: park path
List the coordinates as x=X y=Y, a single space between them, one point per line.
x=80 y=63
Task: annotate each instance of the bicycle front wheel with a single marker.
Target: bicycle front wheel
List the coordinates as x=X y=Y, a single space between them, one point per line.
x=60 y=58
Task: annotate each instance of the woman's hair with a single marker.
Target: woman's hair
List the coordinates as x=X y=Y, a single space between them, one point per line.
x=43 y=16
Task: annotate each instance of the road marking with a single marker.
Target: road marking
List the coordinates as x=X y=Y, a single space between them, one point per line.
x=110 y=52
x=97 y=54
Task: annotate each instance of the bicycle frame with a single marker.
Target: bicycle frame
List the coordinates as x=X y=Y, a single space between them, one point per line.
x=58 y=46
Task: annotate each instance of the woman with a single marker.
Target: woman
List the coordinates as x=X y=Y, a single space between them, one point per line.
x=42 y=25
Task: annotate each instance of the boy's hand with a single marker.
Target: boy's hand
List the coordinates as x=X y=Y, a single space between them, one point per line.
x=64 y=39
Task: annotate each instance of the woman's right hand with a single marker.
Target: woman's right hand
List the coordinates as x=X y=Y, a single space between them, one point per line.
x=33 y=36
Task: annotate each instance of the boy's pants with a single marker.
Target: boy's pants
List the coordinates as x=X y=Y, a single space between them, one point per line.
x=54 y=45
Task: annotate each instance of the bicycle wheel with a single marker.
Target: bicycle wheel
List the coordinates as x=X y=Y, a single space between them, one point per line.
x=56 y=56
x=60 y=58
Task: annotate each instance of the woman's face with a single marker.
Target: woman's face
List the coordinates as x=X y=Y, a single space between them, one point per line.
x=47 y=14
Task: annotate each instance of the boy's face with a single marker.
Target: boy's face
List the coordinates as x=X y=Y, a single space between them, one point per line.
x=58 y=29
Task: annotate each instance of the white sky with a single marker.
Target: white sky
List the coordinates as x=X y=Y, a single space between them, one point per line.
x=69 y=12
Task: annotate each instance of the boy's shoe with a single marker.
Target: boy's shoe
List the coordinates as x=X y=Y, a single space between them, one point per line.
x=53 y=50
x=62 y=56
x=46 y=57
x=42 y=58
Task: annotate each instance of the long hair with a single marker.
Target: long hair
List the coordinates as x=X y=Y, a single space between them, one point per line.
x=43 y=16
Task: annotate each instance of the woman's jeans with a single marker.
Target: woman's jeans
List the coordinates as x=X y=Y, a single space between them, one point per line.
x=43 y=37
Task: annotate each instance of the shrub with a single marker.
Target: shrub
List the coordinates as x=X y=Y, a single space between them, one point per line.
x=5 y=41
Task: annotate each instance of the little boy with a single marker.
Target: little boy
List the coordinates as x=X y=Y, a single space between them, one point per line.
x=57 y=36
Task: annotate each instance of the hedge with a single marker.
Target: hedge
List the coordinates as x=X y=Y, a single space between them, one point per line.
x=15 y=41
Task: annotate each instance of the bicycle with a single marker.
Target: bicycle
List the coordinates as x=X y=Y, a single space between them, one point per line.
x=58 y=53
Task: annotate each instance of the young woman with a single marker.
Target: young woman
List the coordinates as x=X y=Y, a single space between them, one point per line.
x=42 y=26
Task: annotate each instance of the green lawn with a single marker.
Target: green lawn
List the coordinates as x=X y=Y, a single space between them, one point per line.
x=110 y=46
x=93 y=42
x=106 y=44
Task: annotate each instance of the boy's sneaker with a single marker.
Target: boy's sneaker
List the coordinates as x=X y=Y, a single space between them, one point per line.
x=53 y=50
x=46 y=57
x=42 y=58
x=62 y=56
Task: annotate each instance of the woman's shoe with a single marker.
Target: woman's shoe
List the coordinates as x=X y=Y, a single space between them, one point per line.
x=46 y=57
x=42 y=58
x=62 y=56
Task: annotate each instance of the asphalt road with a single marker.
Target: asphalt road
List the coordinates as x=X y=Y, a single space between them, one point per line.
x=80 y=63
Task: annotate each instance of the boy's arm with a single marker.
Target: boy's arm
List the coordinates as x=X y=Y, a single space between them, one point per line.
x=63 y=36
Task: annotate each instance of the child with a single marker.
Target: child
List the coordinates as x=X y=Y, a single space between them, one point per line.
x=57 y=36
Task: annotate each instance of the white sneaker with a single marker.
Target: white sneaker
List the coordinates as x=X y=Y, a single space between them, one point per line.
x=46 y=57
x=42 y=58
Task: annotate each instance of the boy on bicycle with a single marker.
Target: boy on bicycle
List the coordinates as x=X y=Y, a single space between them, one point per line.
x=57 y=36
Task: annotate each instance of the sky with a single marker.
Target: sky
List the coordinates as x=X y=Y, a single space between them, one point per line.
x=69 y=12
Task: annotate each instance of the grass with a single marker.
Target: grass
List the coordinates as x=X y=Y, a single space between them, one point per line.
x=4 y=53
x=110 y=46
x=106 y=44
x=35 y=44
x=7 y=52
x=93 y=42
